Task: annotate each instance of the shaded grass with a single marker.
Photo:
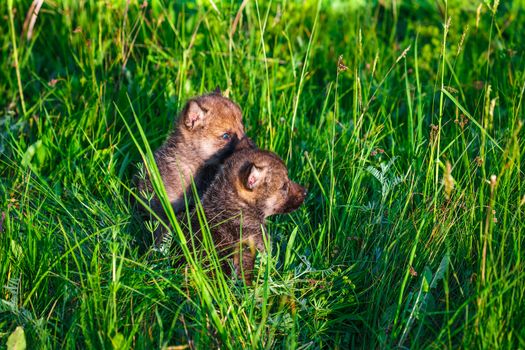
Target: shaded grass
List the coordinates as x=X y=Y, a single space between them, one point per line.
x=382 y=254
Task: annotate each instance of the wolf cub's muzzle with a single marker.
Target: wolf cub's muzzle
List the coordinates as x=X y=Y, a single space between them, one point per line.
x=296 y=197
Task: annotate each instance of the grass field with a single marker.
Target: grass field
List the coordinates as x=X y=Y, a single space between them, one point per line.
x=403 y=118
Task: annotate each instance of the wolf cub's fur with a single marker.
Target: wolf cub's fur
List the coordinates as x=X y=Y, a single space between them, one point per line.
x=252 y=185
x=206 y=132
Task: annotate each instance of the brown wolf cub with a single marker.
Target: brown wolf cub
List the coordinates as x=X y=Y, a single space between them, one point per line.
x=207 y=131
x=252 y=185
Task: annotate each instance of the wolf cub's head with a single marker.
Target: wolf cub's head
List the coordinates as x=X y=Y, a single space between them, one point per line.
x=211 y=125
x=261 y=181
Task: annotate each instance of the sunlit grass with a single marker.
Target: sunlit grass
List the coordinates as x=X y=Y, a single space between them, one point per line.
x=404 y=121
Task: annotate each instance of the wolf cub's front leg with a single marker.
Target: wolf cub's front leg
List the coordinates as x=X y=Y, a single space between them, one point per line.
x=245 y=254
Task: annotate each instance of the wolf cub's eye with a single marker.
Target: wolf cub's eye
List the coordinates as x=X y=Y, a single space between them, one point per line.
x=226 y=136
x=285 y=187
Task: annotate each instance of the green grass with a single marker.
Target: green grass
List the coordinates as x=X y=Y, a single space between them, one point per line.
x=405 y=240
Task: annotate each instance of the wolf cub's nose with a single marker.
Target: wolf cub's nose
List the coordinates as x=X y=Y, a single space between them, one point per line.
x=301 y=190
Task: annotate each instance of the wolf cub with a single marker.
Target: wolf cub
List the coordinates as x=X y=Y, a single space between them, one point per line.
x=252 y=185
x=207 y=131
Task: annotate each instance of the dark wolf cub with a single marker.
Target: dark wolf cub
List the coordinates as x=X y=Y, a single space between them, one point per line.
x=252 y=185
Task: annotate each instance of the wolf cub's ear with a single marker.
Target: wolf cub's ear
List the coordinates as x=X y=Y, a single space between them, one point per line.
x=245 y=143
x=217 y=91
x=193 y=115
x=253 y=176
